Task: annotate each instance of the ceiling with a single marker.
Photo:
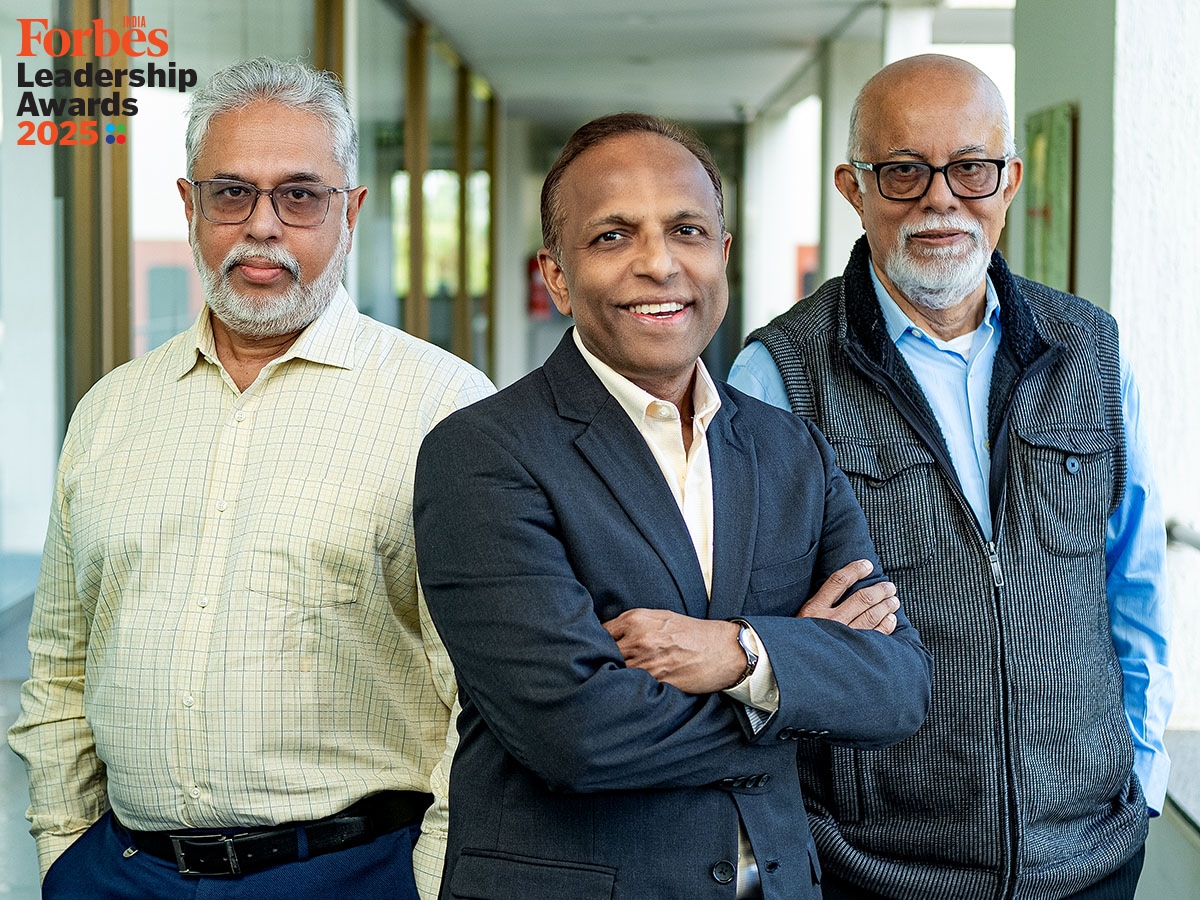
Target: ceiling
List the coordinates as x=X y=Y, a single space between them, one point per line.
x=698 y=60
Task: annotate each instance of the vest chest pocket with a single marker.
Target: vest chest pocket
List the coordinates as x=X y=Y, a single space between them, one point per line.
x=894 y=484
x=1064 y=479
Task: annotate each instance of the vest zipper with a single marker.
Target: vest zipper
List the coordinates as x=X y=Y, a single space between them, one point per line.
x=994 y=559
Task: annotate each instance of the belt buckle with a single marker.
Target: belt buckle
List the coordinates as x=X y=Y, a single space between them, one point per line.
x=207 y=840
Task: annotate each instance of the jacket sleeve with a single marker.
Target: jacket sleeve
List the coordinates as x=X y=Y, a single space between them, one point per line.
x=528 y=648
x=860 y=688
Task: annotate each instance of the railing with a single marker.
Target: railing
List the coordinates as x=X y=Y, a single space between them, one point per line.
x=1178 y=533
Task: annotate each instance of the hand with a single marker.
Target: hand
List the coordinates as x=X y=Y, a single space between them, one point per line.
x=698 y=656
x=870 y=608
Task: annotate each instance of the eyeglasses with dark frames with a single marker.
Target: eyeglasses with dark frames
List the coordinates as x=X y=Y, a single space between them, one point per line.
x=968 y=179
x=224 y=201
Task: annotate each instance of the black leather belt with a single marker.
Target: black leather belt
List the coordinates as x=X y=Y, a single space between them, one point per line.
x=255 y=849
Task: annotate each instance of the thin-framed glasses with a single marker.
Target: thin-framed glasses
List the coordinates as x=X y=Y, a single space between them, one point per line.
x=224 y=201
x=968 y=179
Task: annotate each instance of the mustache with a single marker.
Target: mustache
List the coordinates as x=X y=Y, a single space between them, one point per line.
x=942 y=223
x=276 y=256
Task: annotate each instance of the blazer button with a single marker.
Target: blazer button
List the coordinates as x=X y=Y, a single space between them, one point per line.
x=763 y=780
x=785 y=734
x=723 y=871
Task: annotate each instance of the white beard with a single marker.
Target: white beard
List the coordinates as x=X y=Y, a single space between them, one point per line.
x=938 y=278
x=286 y=313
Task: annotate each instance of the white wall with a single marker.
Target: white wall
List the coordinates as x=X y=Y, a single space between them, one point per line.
x=1156 y=274
x=1064 y=52
x=1131 y=67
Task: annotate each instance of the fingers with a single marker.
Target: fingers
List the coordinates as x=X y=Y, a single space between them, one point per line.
x=873 y=601
x=835 y=586
x=879 y=617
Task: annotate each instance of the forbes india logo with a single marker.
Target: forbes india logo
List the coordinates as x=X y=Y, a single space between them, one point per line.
x=49 y=61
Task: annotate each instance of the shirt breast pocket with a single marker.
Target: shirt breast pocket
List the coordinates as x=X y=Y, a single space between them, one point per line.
x=315 y=553
x=1066 y=479
x=894 y=484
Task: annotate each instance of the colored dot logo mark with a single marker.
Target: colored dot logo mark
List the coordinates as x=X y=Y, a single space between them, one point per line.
x=114 y=134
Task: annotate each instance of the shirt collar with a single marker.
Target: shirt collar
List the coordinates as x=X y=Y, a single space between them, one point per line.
x=328 y=340
x=898 y=322
x=636 y=402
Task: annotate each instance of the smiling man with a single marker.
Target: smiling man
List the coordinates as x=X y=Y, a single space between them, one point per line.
x=989 y=427
x=234 y=691
x=618 y=552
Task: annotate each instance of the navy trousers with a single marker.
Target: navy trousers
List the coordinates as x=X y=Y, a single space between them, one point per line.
x=1120 y=885
x=96 y=867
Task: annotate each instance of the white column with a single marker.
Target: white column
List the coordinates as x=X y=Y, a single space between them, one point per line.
x=769 y=270
x=907 y=28
x=847 y=66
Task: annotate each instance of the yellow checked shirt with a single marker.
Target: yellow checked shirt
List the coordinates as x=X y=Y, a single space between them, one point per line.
x=227 y=629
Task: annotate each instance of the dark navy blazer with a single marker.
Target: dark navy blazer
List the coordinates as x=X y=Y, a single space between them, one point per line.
x=541 y=513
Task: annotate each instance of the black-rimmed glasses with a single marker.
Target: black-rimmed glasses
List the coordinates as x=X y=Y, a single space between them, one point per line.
x=224 y=201
x=968 y=179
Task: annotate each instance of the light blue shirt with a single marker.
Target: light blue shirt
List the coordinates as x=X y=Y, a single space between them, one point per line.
x=956 y=379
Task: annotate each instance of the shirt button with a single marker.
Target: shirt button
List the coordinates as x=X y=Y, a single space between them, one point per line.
x=189 y=701
x=221 y=504
x=202 y=602
x=194 y=793
x=723 y=871
x=239 y=415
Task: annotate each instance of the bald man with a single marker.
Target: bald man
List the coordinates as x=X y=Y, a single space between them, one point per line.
x=989 y=428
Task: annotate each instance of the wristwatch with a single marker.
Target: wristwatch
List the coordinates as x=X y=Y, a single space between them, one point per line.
x=743 y=638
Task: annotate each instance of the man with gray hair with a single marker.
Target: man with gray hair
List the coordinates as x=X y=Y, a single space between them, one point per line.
x=989 y=427
x=234 y=688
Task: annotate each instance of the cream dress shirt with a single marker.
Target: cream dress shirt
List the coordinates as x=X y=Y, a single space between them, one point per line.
x=227 y=629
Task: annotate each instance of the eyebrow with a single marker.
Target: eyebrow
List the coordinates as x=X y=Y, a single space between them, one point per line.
x=294 y=178
x=623 y=219
x=961 y=151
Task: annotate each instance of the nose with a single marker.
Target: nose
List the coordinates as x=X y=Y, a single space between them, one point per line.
x=263 y=223
x=655 y=258
x=939 y=196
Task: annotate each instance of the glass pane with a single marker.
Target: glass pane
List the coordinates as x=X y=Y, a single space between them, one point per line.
x=380 y=258
x=441 y=188
x=479 y=227
x=166 y=292
x=31 y=413
x=30 y=337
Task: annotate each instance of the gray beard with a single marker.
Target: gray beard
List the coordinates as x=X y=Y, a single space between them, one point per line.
x=938 y=279
x=286 y=313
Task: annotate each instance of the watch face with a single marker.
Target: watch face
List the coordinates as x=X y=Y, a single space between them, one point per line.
x=751 y=657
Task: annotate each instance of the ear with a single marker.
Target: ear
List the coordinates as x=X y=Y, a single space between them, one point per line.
x=186 y=193
x=556 y=281
x=846 y=181
x=726 y=243
x=354 y=202
x=1016 y=171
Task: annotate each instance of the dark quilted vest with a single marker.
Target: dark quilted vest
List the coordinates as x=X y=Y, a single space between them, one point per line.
x=1020 y=783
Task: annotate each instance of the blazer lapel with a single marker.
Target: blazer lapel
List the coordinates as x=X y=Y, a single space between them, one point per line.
x=735 y=511
x=614 y=448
